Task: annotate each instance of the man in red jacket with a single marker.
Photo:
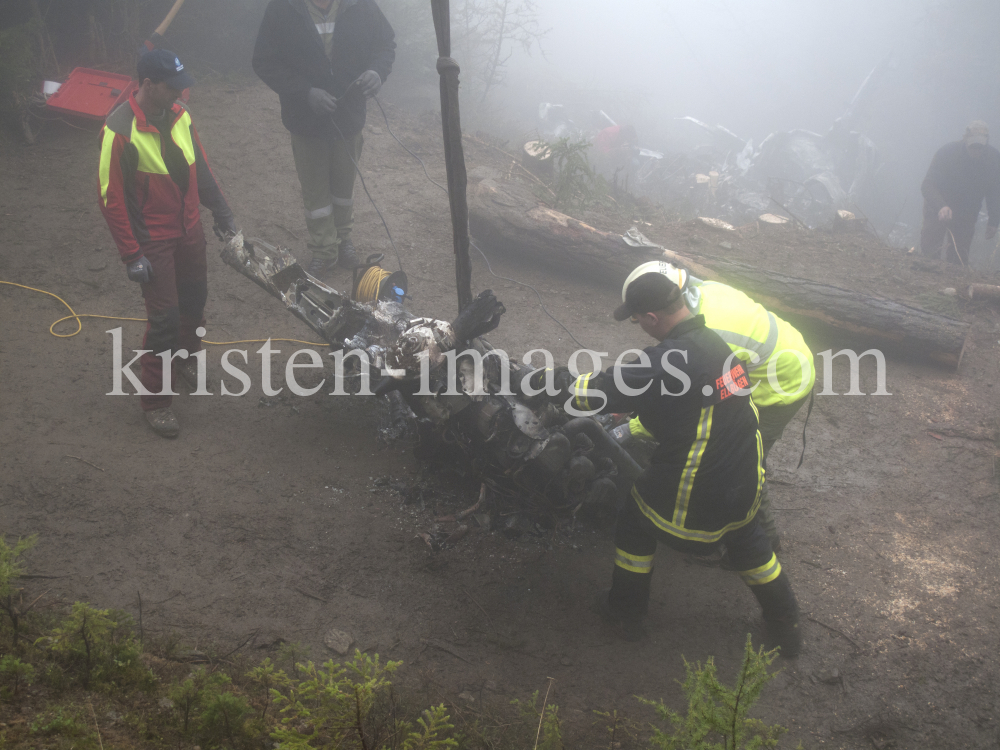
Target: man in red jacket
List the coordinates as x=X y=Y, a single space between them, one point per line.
x=153 y=175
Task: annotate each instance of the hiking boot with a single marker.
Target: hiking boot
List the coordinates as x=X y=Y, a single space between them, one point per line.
x=319 y=267
x=163 y=422
x=628 y=627
x=347 y=257
x=785 y=633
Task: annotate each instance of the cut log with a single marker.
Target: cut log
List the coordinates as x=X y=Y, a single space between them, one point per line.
x=508 y=219
x=984 y=291
x=879 y=322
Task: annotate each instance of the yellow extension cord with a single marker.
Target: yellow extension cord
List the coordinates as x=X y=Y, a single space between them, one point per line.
x=79 y=323
x=370 y=284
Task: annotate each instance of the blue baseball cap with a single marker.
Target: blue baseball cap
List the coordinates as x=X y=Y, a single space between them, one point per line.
x=163 y=66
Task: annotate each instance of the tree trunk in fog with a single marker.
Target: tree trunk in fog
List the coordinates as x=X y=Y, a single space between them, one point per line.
x=984 y=291
x=508 y=219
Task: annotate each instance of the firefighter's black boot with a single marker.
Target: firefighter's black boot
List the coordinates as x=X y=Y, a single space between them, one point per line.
x=781 y=614
x=624 y=606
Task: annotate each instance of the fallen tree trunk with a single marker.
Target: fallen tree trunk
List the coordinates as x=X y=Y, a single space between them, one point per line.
x=984 y=291
x=507 y=218
x=874 y=321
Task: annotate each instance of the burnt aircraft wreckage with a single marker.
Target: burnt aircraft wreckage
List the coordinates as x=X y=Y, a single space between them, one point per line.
x=537 y=460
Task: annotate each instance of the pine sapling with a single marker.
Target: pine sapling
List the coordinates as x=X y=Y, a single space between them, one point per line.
x=717 y=711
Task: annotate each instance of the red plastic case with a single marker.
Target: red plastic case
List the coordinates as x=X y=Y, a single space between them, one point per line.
x=91 y=93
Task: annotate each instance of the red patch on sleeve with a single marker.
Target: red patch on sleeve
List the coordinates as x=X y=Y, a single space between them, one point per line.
x=732 y=382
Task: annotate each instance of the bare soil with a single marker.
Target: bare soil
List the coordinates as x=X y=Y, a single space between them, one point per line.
x=276 y=519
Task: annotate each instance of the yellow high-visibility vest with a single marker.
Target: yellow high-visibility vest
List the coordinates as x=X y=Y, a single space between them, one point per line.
x=761 y=339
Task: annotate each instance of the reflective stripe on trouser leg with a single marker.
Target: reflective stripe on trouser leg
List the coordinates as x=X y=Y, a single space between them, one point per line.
x=312 y=165
x=634 y=549
x=322 y=235
x=634 y=563
x=342 y=174
x=762 y=574
x=343 y=220
x=750 y=553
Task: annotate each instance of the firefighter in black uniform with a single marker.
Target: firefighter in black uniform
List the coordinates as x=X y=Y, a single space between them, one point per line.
x=702 y=487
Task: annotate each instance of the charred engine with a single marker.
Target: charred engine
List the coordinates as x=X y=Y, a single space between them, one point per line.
x=447 y=388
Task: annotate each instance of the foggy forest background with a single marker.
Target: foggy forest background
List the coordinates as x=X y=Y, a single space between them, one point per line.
x=754 y=67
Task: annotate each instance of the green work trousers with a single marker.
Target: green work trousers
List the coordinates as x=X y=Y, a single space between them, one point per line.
x=773 y=420
x=326 y=173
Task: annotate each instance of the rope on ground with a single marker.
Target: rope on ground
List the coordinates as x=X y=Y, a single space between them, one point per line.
x=955 y=246
x=79 y=323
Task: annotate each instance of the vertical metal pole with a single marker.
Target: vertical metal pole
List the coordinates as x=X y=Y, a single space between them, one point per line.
x=454 y=156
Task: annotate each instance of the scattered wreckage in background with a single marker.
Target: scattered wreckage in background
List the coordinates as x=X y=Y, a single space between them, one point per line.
x=809 y=177
x=540 y=464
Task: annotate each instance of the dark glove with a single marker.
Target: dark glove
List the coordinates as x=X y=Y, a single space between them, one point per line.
x=369 y=82
x=321 y=102
x=225 y=228
x=561 y=378
x=991 y=232
x=140 y=270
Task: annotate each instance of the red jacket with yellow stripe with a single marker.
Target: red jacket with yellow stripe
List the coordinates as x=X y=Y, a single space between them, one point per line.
x=150 y=186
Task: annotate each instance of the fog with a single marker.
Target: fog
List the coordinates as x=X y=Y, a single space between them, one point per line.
x=755 y=67
x=772 y=65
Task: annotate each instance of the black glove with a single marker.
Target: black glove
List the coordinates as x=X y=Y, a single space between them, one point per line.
x=140 y=270
x=369 y=82
x=322 y=102
x=561 y=378
x=225 y=228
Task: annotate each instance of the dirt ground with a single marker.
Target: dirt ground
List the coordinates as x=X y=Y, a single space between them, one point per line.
x=277 y=519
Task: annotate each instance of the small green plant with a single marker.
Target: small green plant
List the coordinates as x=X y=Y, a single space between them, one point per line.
x=101 y=645
x=619 y=728
x=294 y=653
x=16 y=673
x=577 y=184
x=352 y=705
x=268 y=678
x=545 y=721
x=66 y=723
x=199 y=690
x=12 y=566
x=432 y=724
x=717 y=711
x=330 y=704
x=224 y=719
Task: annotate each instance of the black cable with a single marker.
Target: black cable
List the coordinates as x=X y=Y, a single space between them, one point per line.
x=488 y=266
x=399 y=260
x=384 y=117
x=521 y=283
